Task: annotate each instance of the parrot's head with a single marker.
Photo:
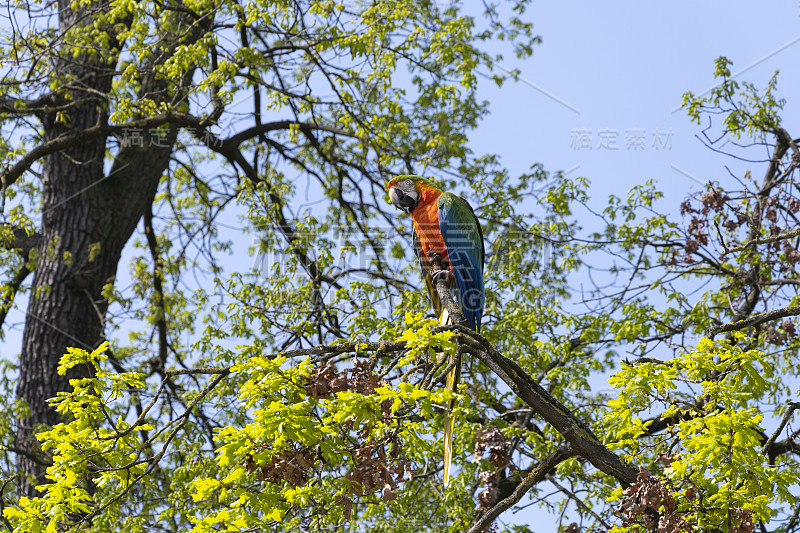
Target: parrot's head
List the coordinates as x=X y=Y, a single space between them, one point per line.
x=405 y=191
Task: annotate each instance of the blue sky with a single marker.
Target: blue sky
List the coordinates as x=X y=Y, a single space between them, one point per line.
x=619 y=70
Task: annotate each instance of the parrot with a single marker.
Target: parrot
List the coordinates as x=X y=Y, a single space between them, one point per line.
x=448 y=241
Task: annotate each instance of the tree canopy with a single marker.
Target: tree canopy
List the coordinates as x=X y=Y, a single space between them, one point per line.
x=171 y=380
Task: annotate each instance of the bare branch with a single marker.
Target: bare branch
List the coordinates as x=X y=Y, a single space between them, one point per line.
x=258 y=129
x=158 y=287
x=578 y=501
x=535 y=476
x=11 y=291
x=753 y=321
x=19 y=239
x=793 y=406
x=766 y=240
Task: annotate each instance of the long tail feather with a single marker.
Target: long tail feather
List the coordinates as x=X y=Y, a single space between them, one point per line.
x=452 y=384
x=450 y=423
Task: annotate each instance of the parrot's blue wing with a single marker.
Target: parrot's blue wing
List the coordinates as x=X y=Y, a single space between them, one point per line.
x=463 y=238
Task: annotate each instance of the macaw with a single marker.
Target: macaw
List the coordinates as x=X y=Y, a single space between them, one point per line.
x=447 y=240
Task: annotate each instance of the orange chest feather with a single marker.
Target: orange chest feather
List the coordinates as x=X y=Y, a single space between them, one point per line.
x=426 y=223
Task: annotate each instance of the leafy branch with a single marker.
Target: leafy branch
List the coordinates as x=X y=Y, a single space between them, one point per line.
x=754 y=320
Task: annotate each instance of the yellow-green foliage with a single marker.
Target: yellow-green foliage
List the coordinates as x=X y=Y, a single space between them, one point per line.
x=715 y=446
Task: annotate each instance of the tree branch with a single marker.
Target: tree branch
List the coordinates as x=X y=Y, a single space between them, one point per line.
x=11 y=291
x=767 y=448
x=16 y=238
x=10 y=174
x=766 y=240
x=535 y=476
x=305 y=127
x=754 y=320
x=158 y=288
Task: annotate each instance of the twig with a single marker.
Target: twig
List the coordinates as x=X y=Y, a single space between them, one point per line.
x=11 y=291
x=195 y=371
x=579 y=502
x=793 y=406
x=766 y=240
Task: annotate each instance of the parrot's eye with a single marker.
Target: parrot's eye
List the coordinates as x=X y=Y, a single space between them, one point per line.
x=409 y=184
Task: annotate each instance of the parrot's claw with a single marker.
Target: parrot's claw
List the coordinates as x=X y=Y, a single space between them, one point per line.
x=436 y=260
x=438 y=266
x=437 y=273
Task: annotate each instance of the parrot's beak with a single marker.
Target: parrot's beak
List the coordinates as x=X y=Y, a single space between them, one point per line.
x=406 y=201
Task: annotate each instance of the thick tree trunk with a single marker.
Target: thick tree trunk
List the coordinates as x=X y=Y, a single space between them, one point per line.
x=82 y=210
x=87 y=218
